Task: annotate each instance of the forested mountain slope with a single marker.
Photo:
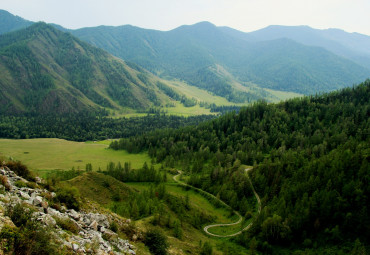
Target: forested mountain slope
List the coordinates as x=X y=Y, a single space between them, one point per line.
x=9 y=22
x=311 y=166
x=44 y=70
x=235 y=65
x=193 y=52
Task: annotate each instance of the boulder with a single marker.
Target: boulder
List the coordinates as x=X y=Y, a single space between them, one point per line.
x=48 y=220
x=94 y=225
x=101 y=229
x=75 y=247
x=109 y=235
x=24 y=195
x=37 y=201
x=75 y=215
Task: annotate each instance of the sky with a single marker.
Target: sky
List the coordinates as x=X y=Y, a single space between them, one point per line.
x=244 y=15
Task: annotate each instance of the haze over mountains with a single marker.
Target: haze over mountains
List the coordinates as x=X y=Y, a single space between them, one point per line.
x=240 y=67
x=195 y=53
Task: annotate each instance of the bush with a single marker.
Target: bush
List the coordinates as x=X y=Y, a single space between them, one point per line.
x=177 y=230
x=113 y=226
x=67 y=224
x=156 y=241
x=69 y=196
x=20 y=184
x=20 y=169
x=206 y=249
x=19 y=215
x=29 y=237
x=4 y=181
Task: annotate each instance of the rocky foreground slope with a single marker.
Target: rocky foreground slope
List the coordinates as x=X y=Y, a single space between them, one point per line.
x=92 y=236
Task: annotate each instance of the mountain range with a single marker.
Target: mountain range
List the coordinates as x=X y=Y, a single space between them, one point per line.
x=240 y=67
x=45 y=70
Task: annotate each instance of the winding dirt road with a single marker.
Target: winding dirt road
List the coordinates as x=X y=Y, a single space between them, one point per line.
x=175 y=178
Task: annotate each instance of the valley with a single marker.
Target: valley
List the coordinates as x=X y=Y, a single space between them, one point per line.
x=201 y=139
x=65 y=155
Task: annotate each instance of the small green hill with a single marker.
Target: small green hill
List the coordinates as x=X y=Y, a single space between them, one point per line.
x=99 y=187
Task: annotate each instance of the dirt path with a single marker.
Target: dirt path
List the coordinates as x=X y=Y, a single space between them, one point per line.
x=175 y=178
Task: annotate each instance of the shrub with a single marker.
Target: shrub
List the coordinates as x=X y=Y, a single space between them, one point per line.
x=177 y=230
x=113 y=226
x=206 y=249
x=69 y=196
x=67 y=224
x=19 y=214
x=156 y=241
x=20 y=184
x=4 y=181
x=20 y=169
x=29 y=237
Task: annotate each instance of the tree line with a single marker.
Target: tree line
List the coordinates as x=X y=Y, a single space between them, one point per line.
x=87 y=125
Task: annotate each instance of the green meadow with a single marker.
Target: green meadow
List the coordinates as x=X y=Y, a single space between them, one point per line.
x=47 y=154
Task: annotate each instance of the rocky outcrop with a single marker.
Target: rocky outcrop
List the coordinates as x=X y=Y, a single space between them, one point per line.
x=94 y=235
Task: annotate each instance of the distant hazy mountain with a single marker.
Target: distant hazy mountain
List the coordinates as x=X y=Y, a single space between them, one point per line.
x=353 y=46
x=9 y=22
x=44 y=70
x=236 y=65
x=193 y=53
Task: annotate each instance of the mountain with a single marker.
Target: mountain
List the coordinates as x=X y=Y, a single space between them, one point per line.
x=195 y=53
x=241 y=67
x=9 y=22
x=49 y=71
x=353 y=46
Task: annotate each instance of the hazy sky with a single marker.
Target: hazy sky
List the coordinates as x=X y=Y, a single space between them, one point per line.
x=245 y=15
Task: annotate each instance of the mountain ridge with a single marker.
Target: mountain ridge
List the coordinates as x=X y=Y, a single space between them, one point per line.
x=46 y=70
x=192 y=53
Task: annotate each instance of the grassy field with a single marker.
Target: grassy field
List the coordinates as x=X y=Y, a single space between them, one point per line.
x=48 y=154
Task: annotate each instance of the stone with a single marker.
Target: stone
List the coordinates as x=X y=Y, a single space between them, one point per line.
x=48 y=220
x=93 y=228
x=75 y=215
x=24 y=195
x=44 y=204
x=109 y=235
x=53 y=212
x=38 y=180
x=94 y=225
x=6 y=221
x=37 y=201
x=75 y=247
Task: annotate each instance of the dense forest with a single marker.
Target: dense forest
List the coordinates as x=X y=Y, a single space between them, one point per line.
x=311 y=166
x=87 y=125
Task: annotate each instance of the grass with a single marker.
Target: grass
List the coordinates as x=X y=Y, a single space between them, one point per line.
x=197 y=93
x=282 y=95
x=191 y=236
x=222 y=215
x=181 y=110
x=99 y=187
x=45 y=154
